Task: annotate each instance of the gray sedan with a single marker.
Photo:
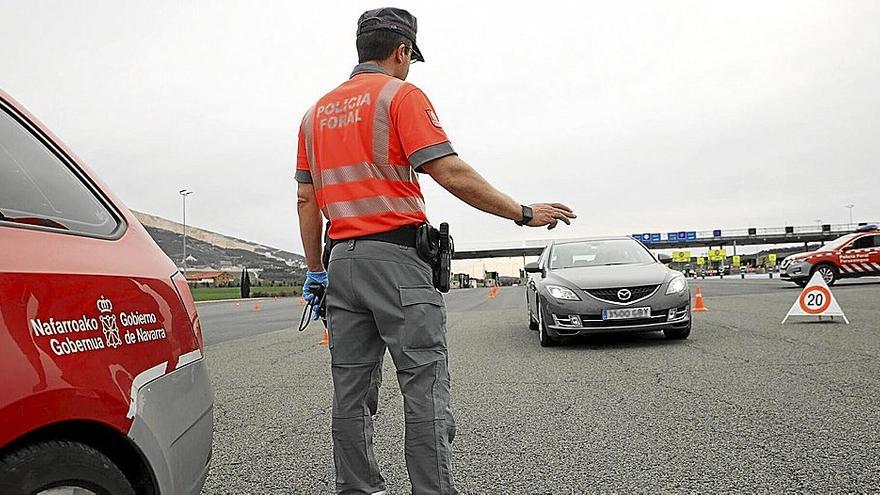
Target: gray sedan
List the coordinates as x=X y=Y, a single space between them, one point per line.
x=605 y=285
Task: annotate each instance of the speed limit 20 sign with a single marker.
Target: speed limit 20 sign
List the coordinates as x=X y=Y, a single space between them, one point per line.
x=816 y=300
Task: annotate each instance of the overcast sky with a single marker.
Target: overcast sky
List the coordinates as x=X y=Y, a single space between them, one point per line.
x=642 y=116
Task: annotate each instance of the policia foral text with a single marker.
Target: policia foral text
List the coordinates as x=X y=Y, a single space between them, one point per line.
x=360 y=147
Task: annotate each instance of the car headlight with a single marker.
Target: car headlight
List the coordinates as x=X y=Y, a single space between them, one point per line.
x=563 y=293
x=676 y=285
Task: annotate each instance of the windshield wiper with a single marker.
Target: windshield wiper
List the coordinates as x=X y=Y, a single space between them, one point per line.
x=39 y=221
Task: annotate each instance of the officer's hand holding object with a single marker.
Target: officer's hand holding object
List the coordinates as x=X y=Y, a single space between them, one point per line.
x=319 y=278
x=550 y=214
x=312 y=279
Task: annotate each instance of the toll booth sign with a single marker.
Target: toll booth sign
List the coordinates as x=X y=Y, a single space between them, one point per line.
x=717 y=255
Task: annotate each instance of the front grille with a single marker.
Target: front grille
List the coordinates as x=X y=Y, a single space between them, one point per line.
x=610 y=295
x=600 y=323
x=658 y=316
x=595 y=321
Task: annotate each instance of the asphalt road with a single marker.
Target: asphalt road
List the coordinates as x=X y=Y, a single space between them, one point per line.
x=229 y=320
x=744 y=405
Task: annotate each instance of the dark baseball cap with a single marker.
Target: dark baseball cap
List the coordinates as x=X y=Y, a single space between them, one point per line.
x=391 y=19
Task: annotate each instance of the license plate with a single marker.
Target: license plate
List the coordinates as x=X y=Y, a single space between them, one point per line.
x=626 y=313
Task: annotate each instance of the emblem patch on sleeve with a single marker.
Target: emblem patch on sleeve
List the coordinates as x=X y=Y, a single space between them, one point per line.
x=433 y=117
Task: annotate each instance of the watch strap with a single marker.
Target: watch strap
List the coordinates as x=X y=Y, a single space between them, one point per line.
x=527 y=216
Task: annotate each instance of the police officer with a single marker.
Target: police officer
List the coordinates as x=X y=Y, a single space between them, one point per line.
x=360 y=147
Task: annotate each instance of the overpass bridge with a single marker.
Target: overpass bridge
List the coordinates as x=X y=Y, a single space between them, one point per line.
x=675 y=240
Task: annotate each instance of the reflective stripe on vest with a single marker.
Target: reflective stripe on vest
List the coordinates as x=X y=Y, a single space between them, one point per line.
x=364 y=171
x=378 y=169
x=309 y=138
x=382 y=120
x=374 y=205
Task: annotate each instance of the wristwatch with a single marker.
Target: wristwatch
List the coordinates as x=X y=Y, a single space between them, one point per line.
x=527 y=217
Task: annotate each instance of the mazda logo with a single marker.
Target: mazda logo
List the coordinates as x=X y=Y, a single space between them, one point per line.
x=624 y=294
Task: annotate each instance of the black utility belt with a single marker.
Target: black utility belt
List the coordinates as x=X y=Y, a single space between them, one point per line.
x=434 y=247
x=404 y=236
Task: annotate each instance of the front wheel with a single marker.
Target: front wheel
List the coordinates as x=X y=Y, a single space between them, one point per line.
x=545 y=338
x=61 y=466
x=533 y=324
x=828 y=272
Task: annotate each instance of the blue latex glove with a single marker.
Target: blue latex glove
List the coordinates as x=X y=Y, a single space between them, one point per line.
x=314 y=278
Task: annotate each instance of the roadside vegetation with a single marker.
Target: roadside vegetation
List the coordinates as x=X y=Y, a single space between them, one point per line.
x=214 y=293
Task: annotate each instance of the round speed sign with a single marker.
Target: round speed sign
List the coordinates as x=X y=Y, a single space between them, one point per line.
x=815 y=299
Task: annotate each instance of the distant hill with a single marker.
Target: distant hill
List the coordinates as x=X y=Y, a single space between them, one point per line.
x=210 y=250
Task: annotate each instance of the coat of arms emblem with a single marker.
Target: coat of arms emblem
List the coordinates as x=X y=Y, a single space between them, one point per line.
x=108 y=322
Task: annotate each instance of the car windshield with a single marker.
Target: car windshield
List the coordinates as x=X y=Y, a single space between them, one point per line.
x=837 y=243
x=599 y=253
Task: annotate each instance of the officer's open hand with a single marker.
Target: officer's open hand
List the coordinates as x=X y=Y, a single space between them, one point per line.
x=550 y=214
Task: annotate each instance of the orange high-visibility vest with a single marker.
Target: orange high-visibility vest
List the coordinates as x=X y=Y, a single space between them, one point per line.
x=361 y=145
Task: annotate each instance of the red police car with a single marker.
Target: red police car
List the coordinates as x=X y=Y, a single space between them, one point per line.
x=104 y=387
x=853 y=255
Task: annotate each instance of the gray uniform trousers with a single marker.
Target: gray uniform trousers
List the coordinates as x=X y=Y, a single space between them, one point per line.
x=381 y=295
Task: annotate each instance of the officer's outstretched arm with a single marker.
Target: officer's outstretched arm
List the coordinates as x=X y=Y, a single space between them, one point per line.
x=310 y=225
x=468 y=185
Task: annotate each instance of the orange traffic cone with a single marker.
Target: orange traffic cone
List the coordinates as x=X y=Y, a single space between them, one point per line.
x=256 y=307
x=699 y=306
x=325 y=340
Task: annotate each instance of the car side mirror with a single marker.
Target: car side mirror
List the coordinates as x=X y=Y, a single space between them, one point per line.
x=533 y=267
x=664 y=258
x=847 y=248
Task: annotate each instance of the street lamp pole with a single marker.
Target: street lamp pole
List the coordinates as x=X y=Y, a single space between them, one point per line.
x=850 y=206
x=184 y=193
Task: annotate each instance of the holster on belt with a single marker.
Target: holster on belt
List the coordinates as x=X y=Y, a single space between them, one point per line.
x=436 y=248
